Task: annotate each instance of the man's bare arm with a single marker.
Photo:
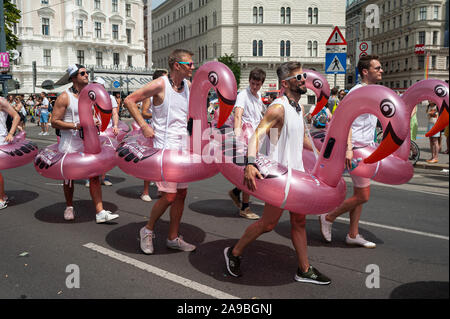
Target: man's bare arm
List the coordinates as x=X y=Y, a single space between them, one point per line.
x=61 y=104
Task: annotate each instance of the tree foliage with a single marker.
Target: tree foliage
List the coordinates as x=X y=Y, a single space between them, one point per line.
x=12 y=15
x=230 y=62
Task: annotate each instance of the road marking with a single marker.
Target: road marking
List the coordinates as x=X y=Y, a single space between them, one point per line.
x=161 y=273
x=405 y=230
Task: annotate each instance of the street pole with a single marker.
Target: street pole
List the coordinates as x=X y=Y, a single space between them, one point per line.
x=3 y=42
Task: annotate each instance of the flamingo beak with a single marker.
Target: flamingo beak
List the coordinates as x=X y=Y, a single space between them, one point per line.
x=225 y=108
x=441 y=122
x=103 y=115
x=388 y=145
x=323 y=100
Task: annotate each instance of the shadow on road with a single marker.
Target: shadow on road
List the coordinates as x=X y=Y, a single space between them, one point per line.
x=421 y=290
x=20 y=197
x=126 y=238
x=221 y=208
x=315 y=238
x=263 y=264
x=134 y=192
x=84 y=212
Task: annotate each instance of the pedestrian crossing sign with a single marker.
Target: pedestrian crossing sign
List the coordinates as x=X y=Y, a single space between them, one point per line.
x=335 y=63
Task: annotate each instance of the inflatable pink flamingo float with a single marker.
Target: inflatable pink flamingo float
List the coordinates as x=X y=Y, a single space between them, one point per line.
x=136 y=155
x=440 y=90
x=98 y=156
x=302 y=189
x=17 y=153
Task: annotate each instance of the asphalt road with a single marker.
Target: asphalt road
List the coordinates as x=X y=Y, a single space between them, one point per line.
x=38 y=248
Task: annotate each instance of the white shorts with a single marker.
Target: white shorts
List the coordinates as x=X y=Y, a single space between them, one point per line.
x=360 y=182
x=170 y=187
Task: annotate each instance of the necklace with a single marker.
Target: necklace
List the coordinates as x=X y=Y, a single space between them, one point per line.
x=173 y=84
x=74 y=90
x=294 y=104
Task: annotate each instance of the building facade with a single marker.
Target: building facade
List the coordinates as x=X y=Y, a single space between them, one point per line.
x=258 y=33
x=107 y=36
x=402 y=25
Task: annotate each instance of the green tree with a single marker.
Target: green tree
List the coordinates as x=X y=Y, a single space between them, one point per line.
x=230 y=62
x=12 y=15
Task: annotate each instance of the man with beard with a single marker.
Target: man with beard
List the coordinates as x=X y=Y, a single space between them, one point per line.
x=286 y=116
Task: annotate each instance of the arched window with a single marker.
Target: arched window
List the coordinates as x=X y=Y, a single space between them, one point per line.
x=282 y=48
x=288 y=48
x=309 y=48
x=316 y=16
x=283 y=15
x=261 y=15
x=309 y=15
x=315 y=49
x=255 y=15
x=288 y=15
x=260 y=48
x=255 y=48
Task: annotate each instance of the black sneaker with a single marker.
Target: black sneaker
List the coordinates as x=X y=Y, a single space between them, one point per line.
x=233 y=262
x=312 y=276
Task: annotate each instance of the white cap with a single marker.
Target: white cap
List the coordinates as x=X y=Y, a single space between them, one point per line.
x=100 y=80
x=72 y=69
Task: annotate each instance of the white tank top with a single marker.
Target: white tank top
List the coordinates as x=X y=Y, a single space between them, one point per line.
x=3 y=129
x=70 y=139
x=169 y=120
x=289 y=147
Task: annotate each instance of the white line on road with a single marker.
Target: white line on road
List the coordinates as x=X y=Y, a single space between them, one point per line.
x=405 y=230
x=161 y=273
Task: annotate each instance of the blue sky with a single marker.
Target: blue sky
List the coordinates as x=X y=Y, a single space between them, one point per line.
x=156 y=3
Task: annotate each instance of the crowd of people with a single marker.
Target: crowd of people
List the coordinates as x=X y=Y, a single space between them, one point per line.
x=167 y=94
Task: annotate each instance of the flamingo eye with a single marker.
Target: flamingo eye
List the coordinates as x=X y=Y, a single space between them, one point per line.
x=317 y=84
x=440 y=90
x=92 y=95
x=387 y=108
x=213 y=78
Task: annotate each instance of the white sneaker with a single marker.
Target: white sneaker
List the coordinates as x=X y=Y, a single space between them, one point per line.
x=46 y=133
x=107 y=182
x=41 y=133
x=3 y=204
x=146 y=198
x=69 y=213
x=146 y=240
x=105 y=216
x=325 y=228
x=359 y=241
x=180 y=244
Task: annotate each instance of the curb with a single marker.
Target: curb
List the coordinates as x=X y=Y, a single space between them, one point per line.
x=437 y=166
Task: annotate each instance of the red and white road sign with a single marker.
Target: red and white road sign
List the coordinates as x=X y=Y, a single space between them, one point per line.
x=363 y=48
x=419 y=49
x=336 y=38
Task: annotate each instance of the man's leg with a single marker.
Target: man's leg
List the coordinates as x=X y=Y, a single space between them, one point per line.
x=159 y=208
x=360 y=197
x=176 y=212
x=69 y=213
x=95 y=189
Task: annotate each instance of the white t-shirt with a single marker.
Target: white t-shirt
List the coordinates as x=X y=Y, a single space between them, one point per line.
x=253 y=107
x=44 y=102
x=363 y=128
x=114 y=106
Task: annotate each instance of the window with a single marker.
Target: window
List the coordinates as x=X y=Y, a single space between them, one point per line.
x=315 y=49
x=47 y=57
x=80 y=57
x=115 y=31
x=80 y=28
x=44 y=1
x=436 y=13
x=421 y=62
x=316 y=16
x=258 y=15
x=128 y=31
x=99 y=58
x=96 y=4
x=98 y=30
x=128 y=10
x=309 y=15
x=285 y=15
x=115 y=6
x=80 y=3
x=214 y=19
x=130 y=61
x=435 y=37
x=116 y=59
x=406 y=41
x=421 y=37
x=406 y=63
x=282 y=48
x=423 y=13
x=215 y=50
x=257 y=48
x=260 y=48
x=288 y=15
x=309 y=48
x=45 y=26
x=408 y=16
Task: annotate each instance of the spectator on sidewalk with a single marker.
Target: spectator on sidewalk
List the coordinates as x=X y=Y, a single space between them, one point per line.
x=432 y=115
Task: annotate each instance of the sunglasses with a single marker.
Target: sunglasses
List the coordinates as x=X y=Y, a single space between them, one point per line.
x=190 y=64
x=83 y=73
x=298 y=77
x=378 y=68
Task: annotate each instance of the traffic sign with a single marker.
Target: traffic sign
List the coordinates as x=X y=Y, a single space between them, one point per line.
x=116 y=84
x=4 y=77
x=363 y=48
x=335 y=63
x=4 y=61
x=336 y=38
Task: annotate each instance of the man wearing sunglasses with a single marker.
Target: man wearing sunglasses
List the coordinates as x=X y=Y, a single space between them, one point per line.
x=284 y=118
x=65 y=118
x=362 y=132
x=249 y=109
x=170 y=95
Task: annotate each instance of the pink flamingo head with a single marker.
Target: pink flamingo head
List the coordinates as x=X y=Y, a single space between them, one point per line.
x=95 y=95
x=319 y=85
x=217 y=76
